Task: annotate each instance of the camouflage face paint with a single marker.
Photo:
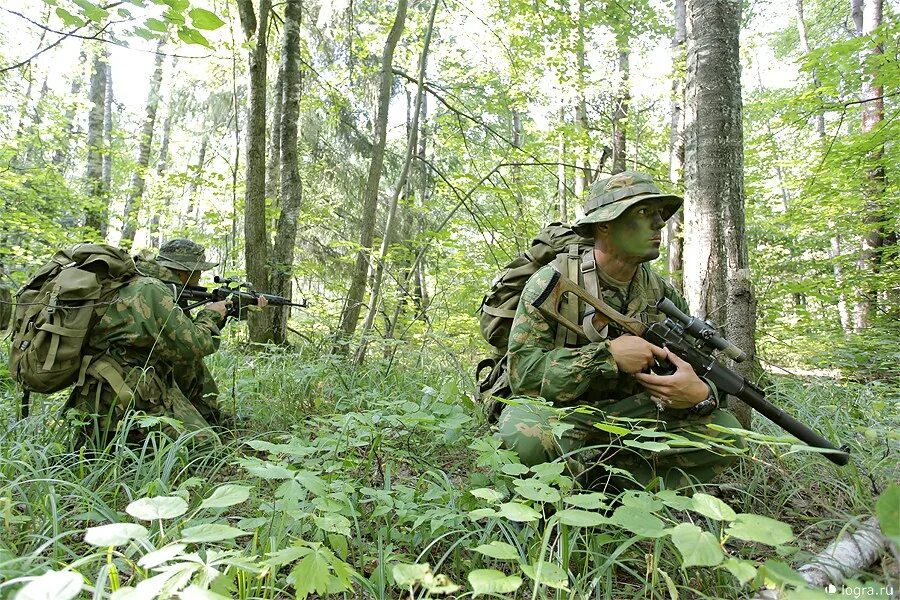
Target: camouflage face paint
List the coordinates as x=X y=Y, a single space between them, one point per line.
x=636 y=231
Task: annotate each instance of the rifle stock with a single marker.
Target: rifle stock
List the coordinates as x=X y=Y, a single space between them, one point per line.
x=672 y=335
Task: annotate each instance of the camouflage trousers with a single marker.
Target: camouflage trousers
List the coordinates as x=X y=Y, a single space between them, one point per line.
x=188 y=394
x=598 y=459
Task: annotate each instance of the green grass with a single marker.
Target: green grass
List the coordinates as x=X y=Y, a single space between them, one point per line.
x=350 y=472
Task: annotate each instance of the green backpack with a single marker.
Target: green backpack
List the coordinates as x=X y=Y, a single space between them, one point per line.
x=498 y=308
x=56 y=310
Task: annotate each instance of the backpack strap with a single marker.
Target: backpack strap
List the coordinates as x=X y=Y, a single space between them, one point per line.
x=567 y=263
x=592 y=286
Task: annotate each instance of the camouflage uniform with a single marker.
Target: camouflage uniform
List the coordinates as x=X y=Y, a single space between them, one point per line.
x=152 y=352
x=583 y=375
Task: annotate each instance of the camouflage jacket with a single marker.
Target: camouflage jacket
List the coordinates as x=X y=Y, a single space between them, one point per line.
x=586 y=372
x=145 y=325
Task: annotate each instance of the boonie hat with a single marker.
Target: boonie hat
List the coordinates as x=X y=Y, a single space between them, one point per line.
x=184 y=255
x=611 y=196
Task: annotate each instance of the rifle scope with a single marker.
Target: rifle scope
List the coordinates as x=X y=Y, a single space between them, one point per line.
x=701 y=330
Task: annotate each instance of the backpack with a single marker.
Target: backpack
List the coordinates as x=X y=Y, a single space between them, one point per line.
x=56 y=310
x=498 y=308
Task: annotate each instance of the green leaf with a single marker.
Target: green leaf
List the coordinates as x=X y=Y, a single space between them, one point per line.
x=227 y=495
x=673 y=499
x=158 y=507
x=144 y=33
x=195 y=592
x=614 y=429
x=286 y=556
x=590 y=501
x=407 y=575
x=712 y=507
x=481 y=513
x=266 y=470
x=580 y=518
x=52 y=585
x=550 y=575
x=211 y=532
x=334 y=523
x=68 y=19
x=514 y=469
x=698 y=548
x=192 y=36
x=163 y=555
x=777 y=573
x=498 y=550
x=888 y=511
x=92 y=11
x=743 y=570
x=155 y=25
x=651 y=446
x=515 y=511
x=638 y=521
x=532 y=489
x=312 y=482
x=489 y=494
x=311 y=575
x=114 y=534
x=756 y=528
x=641 y=501
x=204 y=19
x=492 y=581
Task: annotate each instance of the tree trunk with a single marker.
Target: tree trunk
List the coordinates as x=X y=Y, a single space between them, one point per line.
x=353 y=303
x=61 y=154
x=108 y=128
x=870 y=257
x=582 y=153
x=856 y=14
x=674 y=239
x=717 y=275
x=96 y=216
x=291 y=190
x=273 y=169
x=138 y=183
x=194 y=180
x=621 y=111
x=162 y=164
x=561 y=170
x=256 y=242
x=411 y=143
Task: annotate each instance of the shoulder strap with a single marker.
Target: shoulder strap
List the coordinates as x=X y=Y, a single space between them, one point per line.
x=592 y=286
x=567 y=263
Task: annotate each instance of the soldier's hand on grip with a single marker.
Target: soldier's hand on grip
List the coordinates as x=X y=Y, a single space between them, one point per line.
x=633 y=354
x=682 y=389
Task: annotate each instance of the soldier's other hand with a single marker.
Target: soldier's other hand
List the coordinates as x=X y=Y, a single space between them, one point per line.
x=633 y=354
x=681 y=389
x=262 y=301
x=217 y=307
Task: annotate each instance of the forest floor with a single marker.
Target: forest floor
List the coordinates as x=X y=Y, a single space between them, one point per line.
x=384 y=482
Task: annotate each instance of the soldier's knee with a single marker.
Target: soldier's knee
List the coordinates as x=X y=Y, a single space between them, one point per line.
x=526 y=430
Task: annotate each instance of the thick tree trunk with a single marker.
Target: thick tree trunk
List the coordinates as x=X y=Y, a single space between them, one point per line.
x=856 y=14
x=256 y=242
x=291 y=190
x=96 y=216
x=621 y=110
x=353 y=303
x=674 y=239
x=870 y=257
x=717 y=275
x=107 y=129
x=411 y=144
x=138 y=182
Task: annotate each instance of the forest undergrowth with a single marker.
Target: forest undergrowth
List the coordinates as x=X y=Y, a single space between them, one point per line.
x=384 y=481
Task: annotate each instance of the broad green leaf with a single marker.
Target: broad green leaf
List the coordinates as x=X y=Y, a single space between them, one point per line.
x=593 y=500
x=155 y=25
x=114 y=534
x=651 y=446
x=532 y=489
x=310 y=575
x=777 y=573
x=334 y=523
x=515 y=511
x=550 y=575
x=407 y=575
x=712 y=507
x=743 y=570
x=286 y=556
x=548 y=472
x=312 y=482
x=52 y=585
x=641 y=501
x=204 y=19
x=492 y=581
x=227 y=495
x=211 y=532
x=68 y=19
x=514 y=469
x=491 y=495
x=158 y=507
x=481 y=513
x=144 y=33
x=580 y=518
x=92 y=11
x=698 y=548
x=614 y=429
x=192 y=36
x=638 y=521
x=673 y=499
x=888 y=510
x=498 y=550
x=163 y=555
x=756 y=528
x=266 y=470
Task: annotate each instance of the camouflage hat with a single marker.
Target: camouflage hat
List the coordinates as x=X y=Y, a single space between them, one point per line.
x=611 y=196
x=183 y=255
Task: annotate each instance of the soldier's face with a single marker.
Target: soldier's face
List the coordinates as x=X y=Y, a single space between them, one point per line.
x=636 y=232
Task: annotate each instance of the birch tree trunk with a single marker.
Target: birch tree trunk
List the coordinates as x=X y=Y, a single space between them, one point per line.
x=582 y=160
x=717 y=275
x=869 y=262
x=256 y=242
x=291 y=190
x=61 y=154
x=411 y=143
x=162 y=163
x=674 y=239
x=138 y=181
x=273 y=169
x=621 y=110
x=353 y=302
x=96 y=216
x=561 y=170
x=107 y=129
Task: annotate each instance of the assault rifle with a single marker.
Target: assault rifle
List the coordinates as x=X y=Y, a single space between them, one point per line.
x=694 y=341
x=237 y=294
